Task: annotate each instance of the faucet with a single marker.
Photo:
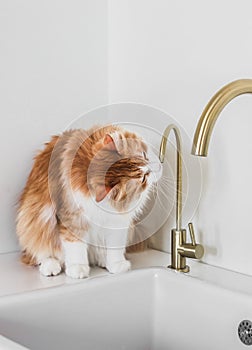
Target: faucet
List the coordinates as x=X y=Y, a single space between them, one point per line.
x=212 y=110
x=180 y=249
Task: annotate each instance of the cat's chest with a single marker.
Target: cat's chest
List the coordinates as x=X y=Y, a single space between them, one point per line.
x=101 y=215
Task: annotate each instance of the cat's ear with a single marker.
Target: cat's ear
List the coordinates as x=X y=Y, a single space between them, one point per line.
x=100 y=192
x=109 y=142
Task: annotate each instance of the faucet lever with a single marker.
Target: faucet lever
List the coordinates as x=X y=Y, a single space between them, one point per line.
x=191 y=250
x=192 y=234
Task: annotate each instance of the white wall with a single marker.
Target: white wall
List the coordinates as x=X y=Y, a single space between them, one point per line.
x=53 y=68
x=56 y=57
x=175 y=55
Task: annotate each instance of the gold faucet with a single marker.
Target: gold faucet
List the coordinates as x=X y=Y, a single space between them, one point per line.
x=212 y=110
x=180 y=250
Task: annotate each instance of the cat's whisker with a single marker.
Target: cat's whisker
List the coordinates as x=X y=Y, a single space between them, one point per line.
x=168 y=196
x=172 y=185
x=167 y=192
x=168 y=181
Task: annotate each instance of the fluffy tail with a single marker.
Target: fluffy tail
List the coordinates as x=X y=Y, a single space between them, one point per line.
x=28 y=259
x=136 y=241
x=36 y=219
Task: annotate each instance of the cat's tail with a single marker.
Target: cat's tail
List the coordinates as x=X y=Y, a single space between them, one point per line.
x=37 y=231
x=28 y=259
x=138 y=247
x=137 y=242
x=36 y=222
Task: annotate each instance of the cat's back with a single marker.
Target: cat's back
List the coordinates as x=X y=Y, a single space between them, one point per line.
x=48 y=161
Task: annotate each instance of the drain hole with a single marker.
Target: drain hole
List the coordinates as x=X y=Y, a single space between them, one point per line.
x=245 y=332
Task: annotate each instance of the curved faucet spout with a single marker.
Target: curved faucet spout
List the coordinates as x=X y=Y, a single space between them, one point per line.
x=180 y=249
x=212 y=110
x=179 y=168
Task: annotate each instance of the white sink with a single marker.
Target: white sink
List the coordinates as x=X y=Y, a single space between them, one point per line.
x=153 y=308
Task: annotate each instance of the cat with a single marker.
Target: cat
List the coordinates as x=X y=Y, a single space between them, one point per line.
x=84 y=191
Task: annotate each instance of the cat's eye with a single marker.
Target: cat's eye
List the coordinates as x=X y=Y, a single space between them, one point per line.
x=145 y=155
x=145 y=177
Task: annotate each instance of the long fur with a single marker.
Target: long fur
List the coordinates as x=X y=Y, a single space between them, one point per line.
x=89 y=162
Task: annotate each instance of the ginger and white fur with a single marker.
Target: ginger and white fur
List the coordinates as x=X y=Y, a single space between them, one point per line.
x=82 y=196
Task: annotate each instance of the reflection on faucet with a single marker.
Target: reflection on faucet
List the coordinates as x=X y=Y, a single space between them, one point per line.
x=180 y=250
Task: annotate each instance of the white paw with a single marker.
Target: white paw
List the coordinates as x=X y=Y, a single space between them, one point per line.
x=119 y=266
x=77 y=271
x=50 y=267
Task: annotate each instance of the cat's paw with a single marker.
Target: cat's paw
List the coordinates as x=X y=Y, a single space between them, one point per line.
x=119 y=266
x=50 y=267
x=77 y=271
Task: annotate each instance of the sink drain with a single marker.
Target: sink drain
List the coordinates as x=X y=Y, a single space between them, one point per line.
x=245 y=332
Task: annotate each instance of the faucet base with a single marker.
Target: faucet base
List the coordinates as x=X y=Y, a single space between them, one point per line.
x=185 y=269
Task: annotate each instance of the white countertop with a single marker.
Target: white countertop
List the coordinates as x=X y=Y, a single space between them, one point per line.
x=16 y=277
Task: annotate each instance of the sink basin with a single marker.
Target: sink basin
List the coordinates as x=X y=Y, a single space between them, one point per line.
x=145 y=309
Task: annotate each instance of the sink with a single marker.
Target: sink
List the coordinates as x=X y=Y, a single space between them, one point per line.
x=145 y=309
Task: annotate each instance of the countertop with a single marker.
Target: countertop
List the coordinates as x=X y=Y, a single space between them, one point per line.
x=16 y=277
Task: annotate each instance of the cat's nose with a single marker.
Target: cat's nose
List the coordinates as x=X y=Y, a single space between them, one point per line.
x=155 y=167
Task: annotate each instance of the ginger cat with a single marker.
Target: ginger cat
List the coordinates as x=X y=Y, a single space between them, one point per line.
x=84 y=191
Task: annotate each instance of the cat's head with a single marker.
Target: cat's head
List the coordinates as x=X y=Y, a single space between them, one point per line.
x=123 y=169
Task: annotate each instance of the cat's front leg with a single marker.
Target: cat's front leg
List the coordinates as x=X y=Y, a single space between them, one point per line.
x=116 y=262
x=76 y=259
x=49 y=266
x=115 y=258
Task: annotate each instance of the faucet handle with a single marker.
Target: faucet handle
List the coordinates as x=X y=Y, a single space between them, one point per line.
x=192 y=234
x=191 y=250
